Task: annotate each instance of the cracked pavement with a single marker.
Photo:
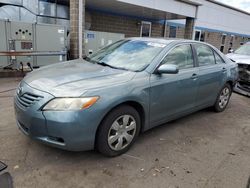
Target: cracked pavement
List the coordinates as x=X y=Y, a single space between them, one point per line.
x=202 y=150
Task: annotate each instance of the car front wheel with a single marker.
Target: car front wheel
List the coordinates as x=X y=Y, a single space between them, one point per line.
x=118 y=131
x=223 y=98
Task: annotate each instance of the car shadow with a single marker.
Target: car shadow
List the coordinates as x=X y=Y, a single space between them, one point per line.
x=143 y=137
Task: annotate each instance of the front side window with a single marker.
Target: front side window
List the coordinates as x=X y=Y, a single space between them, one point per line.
x=182 y=56
x=205 y=55
x=134 y=55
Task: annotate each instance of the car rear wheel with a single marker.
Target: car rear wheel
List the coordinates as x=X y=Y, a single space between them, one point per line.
x=223 y=98
x=118 y=131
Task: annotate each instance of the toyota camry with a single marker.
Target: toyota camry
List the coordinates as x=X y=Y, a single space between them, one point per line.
x=104 y=101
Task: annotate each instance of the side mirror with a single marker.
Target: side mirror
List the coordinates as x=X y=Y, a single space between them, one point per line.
x=168 y=69
x=231 y=50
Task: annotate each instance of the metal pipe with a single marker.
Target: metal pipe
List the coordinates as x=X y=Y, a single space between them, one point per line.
x=80 y=28
x=32 y=53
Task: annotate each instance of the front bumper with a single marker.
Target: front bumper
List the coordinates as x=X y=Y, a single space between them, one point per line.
x=69 y=130
x=242 y=89
x=243 y=84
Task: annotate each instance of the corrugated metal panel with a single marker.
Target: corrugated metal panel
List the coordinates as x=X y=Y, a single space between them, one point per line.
x=31 y=5
x=63 y=22
x=10 y=12
x=47 y=9
x=62 y=11
x=46 y=20
x=27 y=16
x=35 y=11
x=14 y=13
x=13 y=2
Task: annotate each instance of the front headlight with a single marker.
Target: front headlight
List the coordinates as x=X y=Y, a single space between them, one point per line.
x=70 y=104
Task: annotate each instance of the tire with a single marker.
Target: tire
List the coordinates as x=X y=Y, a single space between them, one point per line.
x=114 y=136
x=223 y=98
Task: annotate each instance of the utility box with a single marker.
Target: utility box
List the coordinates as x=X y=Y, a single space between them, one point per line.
x=95 y=40
x=21 y=39
x=50 y=38
x=49 y=41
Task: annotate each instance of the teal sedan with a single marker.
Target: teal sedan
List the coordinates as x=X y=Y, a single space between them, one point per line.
x=105 y=100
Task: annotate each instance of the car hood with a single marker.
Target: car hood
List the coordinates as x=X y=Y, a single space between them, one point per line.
x=74 y=78
x=242 y=59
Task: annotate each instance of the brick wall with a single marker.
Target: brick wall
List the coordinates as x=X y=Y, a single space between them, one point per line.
x=215 y=39
x=120 y=24
x=74 y=20
x=131 y=28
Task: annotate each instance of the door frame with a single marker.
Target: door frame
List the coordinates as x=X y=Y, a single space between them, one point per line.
x=150 y=27
x=198 y=30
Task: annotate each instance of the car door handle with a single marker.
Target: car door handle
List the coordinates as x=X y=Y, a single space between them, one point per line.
x=194 y=76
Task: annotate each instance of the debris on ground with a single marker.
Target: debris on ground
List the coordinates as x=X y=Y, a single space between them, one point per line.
x=16 y=167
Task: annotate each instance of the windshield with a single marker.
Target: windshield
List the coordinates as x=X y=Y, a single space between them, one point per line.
x=134 y=55
x=243 y=50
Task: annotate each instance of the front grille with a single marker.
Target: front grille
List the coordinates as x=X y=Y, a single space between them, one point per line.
x=28 y=99
x=244 y=73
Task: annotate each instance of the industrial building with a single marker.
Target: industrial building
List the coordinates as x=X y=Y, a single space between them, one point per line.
x=104 y=22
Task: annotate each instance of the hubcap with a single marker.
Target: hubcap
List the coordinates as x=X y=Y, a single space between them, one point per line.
x=121 y=132
x=224 y=97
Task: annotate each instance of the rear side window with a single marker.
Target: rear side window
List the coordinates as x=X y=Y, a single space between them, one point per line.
x=205 y=55
x=218 y=59
x=182 y=56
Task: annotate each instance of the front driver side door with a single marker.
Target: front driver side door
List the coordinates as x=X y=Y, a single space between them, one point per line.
x=174 y=94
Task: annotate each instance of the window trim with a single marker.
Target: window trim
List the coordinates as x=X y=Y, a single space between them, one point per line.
x=150 y=28
x=200 y=34
x=197 y=30
x=223 y=61
x=193 y=55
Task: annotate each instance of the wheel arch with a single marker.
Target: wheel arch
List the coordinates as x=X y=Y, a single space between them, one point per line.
x=231 y=83
x=136 y=105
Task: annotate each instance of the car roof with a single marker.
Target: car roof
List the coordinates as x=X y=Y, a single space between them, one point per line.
x=163 y=40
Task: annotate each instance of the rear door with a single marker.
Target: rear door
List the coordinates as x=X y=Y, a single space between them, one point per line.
x=173 y=94
x=212 y=74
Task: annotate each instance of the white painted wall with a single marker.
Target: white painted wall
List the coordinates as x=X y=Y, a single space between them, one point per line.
x=171 y=6
x=210 y=15
x=217 y=17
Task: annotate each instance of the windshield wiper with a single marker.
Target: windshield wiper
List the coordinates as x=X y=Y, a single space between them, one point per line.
x=113 y=67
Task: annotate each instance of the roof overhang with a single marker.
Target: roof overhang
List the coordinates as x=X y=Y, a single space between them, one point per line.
x=148 y=10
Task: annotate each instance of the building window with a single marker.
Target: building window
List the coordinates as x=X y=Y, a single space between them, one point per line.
x=222 y=48
x=199 y=35
x=172 y=32
x=231 y=43
x=223 y=41
x=145 y=29
x=242 y=41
